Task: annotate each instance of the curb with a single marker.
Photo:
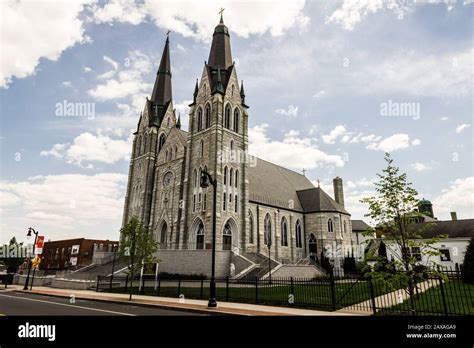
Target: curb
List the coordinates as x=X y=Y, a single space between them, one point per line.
x=139 y=304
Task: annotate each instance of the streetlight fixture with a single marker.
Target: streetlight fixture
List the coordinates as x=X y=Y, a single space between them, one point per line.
x=206 y=180
x=28 y=235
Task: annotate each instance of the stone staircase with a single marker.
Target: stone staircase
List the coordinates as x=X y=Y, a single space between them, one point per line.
x=261 y=266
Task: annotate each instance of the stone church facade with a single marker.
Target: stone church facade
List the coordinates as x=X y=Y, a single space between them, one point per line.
x=262 y=208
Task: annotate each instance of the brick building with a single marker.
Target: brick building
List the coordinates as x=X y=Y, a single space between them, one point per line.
x=73 y=253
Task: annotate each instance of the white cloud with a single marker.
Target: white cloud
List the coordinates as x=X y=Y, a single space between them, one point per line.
x=87 y=69
x=198 y=19
x=393 y=143
x=88 y=148
x=59 y=204
x=420 y=167
x=462 y=127
x=319 y=95
x=181 y=47
x=459 y=197
x=129 y=81
x=416 y=142
x=125 y=11
x=66 y=84
x=444 y=118
x=352 y=12
x=293 y=152
x=37 y=29
x=334 y=134
x=292 y=111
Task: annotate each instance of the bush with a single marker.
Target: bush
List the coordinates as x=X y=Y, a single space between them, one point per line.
x=468 y=265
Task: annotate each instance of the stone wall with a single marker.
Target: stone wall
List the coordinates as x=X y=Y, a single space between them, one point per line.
x=194 y=262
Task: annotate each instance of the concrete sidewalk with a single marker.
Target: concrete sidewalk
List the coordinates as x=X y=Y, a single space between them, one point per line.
x=227 y=308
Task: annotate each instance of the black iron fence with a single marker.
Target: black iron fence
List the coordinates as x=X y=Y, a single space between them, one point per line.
x=435 y=295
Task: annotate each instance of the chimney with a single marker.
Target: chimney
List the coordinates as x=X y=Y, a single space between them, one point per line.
x=338 y=190
x=454 y=216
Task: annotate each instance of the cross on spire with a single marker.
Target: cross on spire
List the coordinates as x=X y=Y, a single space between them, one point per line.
x=168 y=32
x=220 y=12
x=304 y=172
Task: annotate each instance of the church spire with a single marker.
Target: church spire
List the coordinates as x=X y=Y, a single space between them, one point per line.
x=220 y=55
x=178 y=123
x=161 y=94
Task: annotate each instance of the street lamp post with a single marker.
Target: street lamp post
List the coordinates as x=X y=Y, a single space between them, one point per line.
x=29 y=260
x=207 y=179
x=113 y=267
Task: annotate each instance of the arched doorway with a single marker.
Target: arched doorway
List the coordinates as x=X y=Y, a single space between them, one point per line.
x=312 y=247
x=199 y=231
x=227 y=237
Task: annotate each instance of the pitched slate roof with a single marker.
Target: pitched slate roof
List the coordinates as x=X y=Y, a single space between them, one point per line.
x=274 y=185
x=315 y=199
x=359 y=226
x=454 y=229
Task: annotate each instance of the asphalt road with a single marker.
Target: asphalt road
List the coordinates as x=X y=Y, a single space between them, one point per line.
x=17 y=303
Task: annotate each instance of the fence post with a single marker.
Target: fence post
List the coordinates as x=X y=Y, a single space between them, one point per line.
x=441 y=287
x=97 y=284
x=179 y=286
x=227 y=288
x=372 y=295
x=292 y=289
x=126 y=283
x=202 y=287
x=333 y=291
x=256 y=290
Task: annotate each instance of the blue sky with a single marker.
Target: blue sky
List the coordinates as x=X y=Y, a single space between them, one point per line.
x=317 y=76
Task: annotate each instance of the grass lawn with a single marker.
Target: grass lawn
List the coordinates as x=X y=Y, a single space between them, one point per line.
x=315 y=295
x=459 y=298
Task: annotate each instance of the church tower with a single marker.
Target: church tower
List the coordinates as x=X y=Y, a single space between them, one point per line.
x=218 y=143
x=156 y=121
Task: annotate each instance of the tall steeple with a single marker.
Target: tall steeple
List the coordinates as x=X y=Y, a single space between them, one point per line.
x=220 y=56
x=161 y=94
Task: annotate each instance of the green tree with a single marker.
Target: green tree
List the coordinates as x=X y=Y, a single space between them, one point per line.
x=14 y=256
x=138 y=247
x=468 y=264
x=394 y=208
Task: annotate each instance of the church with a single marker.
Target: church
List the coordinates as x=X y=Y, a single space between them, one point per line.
x=269 y=218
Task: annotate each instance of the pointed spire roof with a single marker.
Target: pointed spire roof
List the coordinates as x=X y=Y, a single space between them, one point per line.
x=161 y=94
x=196 y=90
x=220 y=55
x=178 y=123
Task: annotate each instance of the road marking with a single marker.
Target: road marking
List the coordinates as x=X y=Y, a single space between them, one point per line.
x=68 y=305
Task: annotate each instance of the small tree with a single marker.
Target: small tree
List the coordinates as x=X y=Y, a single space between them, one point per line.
x=393 y=208
x=137 y=246
x=468 y=264
x=13 y=257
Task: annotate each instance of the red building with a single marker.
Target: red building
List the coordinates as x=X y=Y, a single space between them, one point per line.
x=73 y=253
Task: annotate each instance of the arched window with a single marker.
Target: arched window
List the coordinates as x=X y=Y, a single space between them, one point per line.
x=164 y=230
x=236 y=120
x=236 y=204
x=225 y=176
x=176 y=151
x=202 y=148
x=330 y=226
x=208 y=116
x=166 y=155
x=227 y=237
x=299 y=244
x=199 y=120
x=195 y=178
x=224 y=202
x=232 y=92
x=231 y=174
x=236 y=178
x=161 y=142
x=250 y=227
x=200 y=236
x=168 y=122
x=144 y=144
x=345 y=227
x=231 y=145
x=284 y=232
x=227 y=117
x=267 y=230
